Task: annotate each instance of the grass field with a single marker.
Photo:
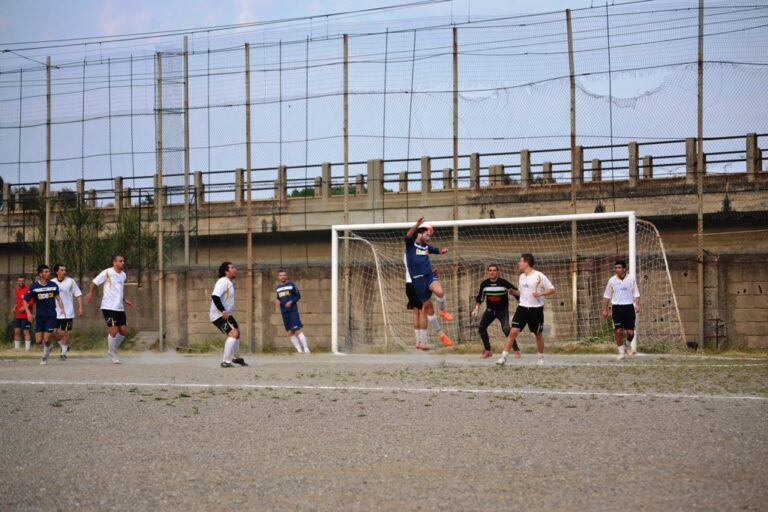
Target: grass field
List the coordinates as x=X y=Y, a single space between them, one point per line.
x=405 y=431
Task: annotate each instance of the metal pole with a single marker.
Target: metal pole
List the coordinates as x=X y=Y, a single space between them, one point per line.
x=574 y=251
x=48 y=160
x=186 y=153
x=159 y=199
x=700 y=181
x=347 y=300
x=249 y=213
x=455 y=180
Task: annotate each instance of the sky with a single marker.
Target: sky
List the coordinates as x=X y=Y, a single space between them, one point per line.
x=499 y=113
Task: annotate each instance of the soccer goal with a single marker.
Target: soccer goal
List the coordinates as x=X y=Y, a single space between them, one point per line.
x=577 y=252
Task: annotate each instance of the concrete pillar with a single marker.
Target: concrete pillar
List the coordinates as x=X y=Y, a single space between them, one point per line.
x=426 y=175
x=17 y=205
x=647 y=167
x=577 y=165
x=525 y=168
x=326 y=192
x=127 y=196
x=239 y=186
x=447 y=178
x=160 y=194
x=754 y=160
x=474 y=171
x=282 y=177
x=199 y=188
x=597 y=170
x=495 y=173
x=91 y=198
x=7 y=197
x=359 y=184
x=318 y=186
x=690 y=160
x=403 y=180
x=546 y=169
x=376 y=179
x=118 y=194
x=43 y=188
x=634 y=164
x=80 y=188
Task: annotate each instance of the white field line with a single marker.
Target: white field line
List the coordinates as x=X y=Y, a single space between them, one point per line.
x=385 y=389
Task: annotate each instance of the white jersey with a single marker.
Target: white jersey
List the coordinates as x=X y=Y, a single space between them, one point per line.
x=68 y=290
x=621 y=291
x=114 y=284
x=225 y=290
x=533 y=282
x=407 y=274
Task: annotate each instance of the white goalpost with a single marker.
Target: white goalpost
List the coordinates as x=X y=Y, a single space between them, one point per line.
x=576 y=252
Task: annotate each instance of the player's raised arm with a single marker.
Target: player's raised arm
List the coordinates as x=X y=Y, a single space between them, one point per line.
x=411 y=232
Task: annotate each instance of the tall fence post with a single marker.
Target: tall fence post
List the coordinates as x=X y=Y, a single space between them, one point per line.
x=159 y=201
x=47 y=160
x=186 y=154
x=249 y=339
x=574 y=254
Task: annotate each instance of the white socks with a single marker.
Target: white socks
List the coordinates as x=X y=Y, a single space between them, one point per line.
x=17 y=344
x=111 y=350
x=229 y=348
x=299 y=341
x=27 y=345
x=622 y=350
x=303 y=340
x=434 y=322
x=440 y=302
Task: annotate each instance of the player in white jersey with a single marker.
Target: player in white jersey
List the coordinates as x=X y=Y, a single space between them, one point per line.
x=533 y=288
x=222 y=306
x=624 y=297
x=69 y=292
x=113 y=303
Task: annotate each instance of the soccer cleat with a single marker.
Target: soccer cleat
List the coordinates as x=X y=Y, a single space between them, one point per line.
x=620 y=357
x=306 y=351
x=540 y=362
x=226 y=364
x=44 y=361
x=63 y=357
x=486 y=354
x=517 y=354
x=115 y=360
x=446 y=340
x=502 y=361
x=633 y=347
x=240 y=361
x=446 y=315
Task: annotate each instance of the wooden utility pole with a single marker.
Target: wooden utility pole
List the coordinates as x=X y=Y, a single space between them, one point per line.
x=700 y=181
x=186 y=154
x=48 y=161
x=159 y=200
x=574 y=246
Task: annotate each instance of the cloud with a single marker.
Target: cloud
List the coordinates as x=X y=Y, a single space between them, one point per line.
x=246 y=11
x=118 y=17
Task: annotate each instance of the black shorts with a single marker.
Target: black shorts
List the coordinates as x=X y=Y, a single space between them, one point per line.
x=623 y=316
x=23 y=323
x=226 y=326
x=413 y=299
x=114 y=318
x=64 y=324
x=532 y=317
x=45 y=324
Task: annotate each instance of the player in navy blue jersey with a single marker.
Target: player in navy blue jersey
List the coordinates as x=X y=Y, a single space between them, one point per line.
x=45 y=294
x=287 y=297
x=425 y=281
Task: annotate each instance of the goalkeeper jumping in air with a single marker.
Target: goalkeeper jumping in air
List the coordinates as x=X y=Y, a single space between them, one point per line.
x=425 y=282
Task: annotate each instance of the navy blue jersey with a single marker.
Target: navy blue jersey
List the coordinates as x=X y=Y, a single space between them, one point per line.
x=417 y=257
x=287 y=292
x=45 y=297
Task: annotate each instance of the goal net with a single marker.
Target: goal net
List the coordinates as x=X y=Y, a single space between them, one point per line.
x=576 y=252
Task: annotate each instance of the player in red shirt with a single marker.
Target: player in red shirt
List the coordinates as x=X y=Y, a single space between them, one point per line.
x=22 y=323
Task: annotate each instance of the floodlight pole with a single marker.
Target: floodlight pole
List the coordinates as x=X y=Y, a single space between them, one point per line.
x=574 y=248
x=455 y=180
x=700 y=181
x=186 y=154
